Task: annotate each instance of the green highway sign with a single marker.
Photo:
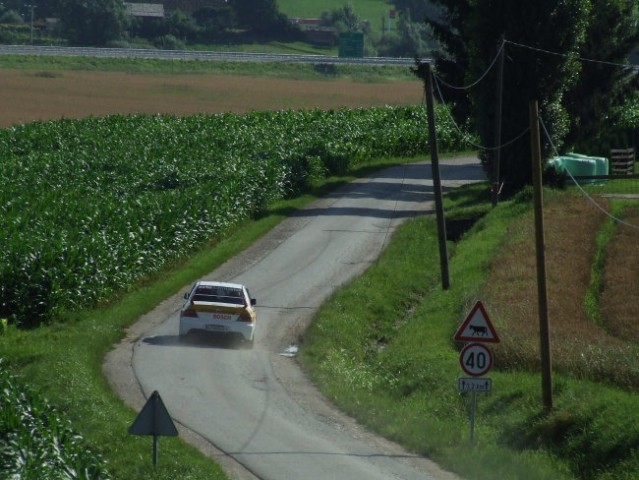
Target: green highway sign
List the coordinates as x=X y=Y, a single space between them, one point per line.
x=351 y=44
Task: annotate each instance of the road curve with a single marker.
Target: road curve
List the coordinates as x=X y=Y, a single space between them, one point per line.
x=253 y=410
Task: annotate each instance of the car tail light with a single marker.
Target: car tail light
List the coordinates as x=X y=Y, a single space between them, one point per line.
x=189 y=313
x=245 y=316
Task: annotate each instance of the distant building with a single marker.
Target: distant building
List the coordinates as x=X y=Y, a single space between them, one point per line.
x=191 y=6
x=315 y=33
x=154 y=10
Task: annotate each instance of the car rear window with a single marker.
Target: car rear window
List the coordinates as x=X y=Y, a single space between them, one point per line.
x=219 y=294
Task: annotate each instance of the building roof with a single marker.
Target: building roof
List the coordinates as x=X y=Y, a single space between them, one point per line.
x=145 y=9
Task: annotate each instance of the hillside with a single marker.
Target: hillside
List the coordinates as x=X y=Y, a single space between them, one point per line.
x=371 y=10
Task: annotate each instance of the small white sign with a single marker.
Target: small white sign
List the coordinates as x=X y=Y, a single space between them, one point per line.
x=472 y=384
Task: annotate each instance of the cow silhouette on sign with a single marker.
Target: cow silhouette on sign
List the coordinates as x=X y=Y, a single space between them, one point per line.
x=480 y=331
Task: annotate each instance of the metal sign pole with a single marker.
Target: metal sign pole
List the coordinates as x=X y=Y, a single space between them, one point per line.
x=155 y=450
x=473 y=409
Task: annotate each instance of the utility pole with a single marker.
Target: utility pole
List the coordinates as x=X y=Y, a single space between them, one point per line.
x=542 y=294
x=31 y=7
x=437 y=184
x=498 y=109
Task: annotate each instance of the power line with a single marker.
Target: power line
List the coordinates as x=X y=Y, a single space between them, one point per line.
x=583 y=192
x=483 y=75
x=465 y=136
x=581 y=59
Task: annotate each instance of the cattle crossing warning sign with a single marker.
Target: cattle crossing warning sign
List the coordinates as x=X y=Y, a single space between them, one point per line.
x=476 y=359
x=477 y=327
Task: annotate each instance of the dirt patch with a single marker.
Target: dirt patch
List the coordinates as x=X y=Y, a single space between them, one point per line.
x=621 y=283
x=579 y=344
x=27 y=95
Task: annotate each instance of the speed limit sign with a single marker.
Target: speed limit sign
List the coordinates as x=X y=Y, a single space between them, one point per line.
x=475 y=359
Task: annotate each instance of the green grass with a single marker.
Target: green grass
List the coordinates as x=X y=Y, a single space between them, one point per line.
x=370 y=10
x=183 y=67
x=299 y=48
x=62 y=362
x=392 y=364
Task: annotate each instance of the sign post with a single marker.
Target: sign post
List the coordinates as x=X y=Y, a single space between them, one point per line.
x=475 y=358
x=154 y=419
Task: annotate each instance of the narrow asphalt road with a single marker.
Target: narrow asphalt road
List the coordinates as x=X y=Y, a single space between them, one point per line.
x=253 y=410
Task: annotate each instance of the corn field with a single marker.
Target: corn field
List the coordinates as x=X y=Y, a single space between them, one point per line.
x=88 y=207
x=37 y=441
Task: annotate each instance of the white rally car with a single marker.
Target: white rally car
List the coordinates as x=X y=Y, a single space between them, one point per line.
x=219 y=307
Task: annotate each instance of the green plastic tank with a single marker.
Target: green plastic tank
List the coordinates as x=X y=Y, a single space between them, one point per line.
x=578 y=164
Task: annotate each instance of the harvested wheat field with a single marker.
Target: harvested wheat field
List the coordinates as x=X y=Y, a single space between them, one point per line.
x=28 y=95
x=599 y=348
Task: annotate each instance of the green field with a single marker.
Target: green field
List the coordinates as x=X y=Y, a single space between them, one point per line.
x=371 y=10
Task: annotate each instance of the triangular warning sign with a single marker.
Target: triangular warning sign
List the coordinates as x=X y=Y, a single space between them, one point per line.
x=477 y=327
x=154 y=419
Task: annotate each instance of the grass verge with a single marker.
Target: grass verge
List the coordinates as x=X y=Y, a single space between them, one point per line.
x=298 y=71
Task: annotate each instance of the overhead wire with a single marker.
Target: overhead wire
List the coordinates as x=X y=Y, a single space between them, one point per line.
x=438 y=81
x=481 y=77
x=581 y=59
x=579 y=187
x=464 y=136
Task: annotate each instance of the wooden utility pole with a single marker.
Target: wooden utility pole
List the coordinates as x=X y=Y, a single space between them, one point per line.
x=437 y=184
x=497 y=154
x=542 y=294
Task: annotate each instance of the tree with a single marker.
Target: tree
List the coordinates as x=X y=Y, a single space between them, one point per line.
x=92 y=22
x=343 y=19
x=471 y=32
x=594 y=102
x=411 y=39
x=214 y=21
x=263 y=18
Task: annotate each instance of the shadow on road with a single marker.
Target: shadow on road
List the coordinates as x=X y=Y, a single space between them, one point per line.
x=203 y=340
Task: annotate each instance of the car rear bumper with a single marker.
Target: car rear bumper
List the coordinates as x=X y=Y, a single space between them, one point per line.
x=245 y=329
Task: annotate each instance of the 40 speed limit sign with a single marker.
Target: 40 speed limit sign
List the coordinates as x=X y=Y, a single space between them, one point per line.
x=475 y=359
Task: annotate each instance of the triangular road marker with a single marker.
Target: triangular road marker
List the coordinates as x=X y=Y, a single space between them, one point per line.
x=477 y=327
x=154 y=419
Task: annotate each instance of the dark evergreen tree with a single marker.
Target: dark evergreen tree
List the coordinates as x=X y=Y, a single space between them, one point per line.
x=471 y=32
x=262 y=18
x=92 y=22
x=603 y=87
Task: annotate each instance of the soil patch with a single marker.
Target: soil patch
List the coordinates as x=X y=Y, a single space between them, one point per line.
x=26 y=95
x=580 y=346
